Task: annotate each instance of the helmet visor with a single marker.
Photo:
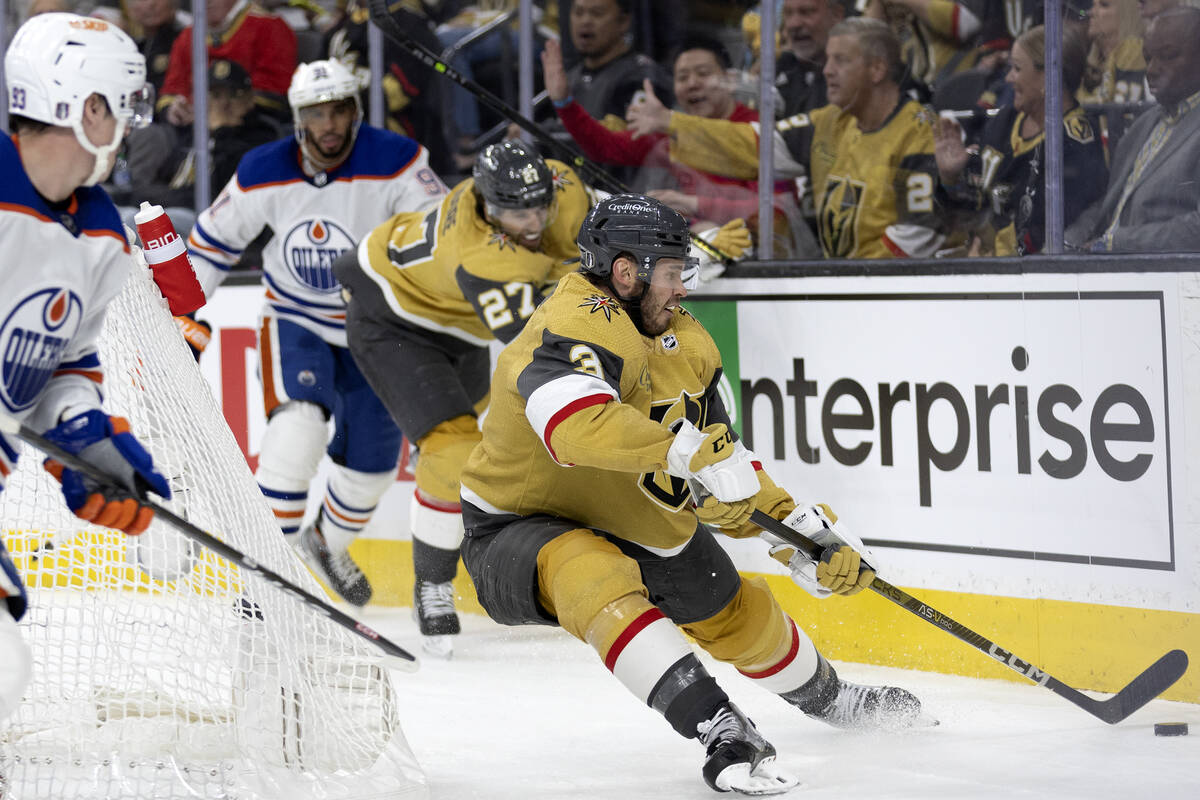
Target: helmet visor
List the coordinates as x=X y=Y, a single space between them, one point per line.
x=671 y=272
x=141 y=106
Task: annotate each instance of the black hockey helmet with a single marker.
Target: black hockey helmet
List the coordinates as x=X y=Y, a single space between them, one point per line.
x=512 y=174
x=640 y=226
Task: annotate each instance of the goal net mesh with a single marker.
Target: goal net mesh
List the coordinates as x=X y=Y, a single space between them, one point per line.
x=160 y=669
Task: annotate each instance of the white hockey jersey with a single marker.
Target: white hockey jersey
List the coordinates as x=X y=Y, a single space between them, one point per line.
x=313 y=221
x=61 y=269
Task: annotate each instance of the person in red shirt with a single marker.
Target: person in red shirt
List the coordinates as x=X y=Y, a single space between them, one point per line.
x=700 y=71
x=242 y=32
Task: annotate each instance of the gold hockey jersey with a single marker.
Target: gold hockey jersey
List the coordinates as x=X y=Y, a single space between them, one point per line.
x=874 y=191
x=451 y=271
x=578 y=424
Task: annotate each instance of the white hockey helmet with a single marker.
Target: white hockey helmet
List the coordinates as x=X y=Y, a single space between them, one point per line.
x=320 y=82
x=56 y=61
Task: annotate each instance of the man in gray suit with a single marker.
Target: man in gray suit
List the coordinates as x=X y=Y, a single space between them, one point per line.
x=1153 y=199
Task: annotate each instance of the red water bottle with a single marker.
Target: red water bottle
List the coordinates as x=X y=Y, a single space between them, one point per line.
x=166 y=253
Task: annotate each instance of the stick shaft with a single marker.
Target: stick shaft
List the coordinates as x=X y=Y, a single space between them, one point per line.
x=589 y=171
x=1141 y=690
x=226 y=551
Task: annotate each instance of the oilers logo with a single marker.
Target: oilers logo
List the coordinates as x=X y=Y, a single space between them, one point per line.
x=309 y=250
x=33 y=339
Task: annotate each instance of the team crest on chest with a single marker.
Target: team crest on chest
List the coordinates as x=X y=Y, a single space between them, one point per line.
x=33 y=339
x=309 y=250
x=601 y=303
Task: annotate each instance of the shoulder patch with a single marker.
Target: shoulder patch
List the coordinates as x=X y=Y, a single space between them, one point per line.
x=560 y=178
x=925 y=115
x=502 y=240
x=601 y=303
x=794 y=121
x=1078 y=128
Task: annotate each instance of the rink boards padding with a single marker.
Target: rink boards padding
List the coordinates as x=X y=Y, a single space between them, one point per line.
x=1017 y=440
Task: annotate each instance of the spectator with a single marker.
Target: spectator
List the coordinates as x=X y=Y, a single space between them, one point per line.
x=1116 y=70
x=479 y=53
x=240 y=31
x=1150 y=204
x=701 y=88
x=1002 y=177
x=804 y=30
x=1150 y=9
x=610 y=72
x=410 y=88
x=162 y=159
x=869 y=155
x=157 y=23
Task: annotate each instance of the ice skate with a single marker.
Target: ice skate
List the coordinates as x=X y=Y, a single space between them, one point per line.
x=739 y=758
x=857 y=707
x=433 y=609
x=336 y=568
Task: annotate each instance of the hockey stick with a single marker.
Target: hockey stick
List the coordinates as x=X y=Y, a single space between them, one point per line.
x=591 y=173
x=396 y=656
x=1156 y=679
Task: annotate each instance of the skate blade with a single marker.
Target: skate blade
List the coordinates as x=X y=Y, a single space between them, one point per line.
x=438 y=646
x=767 y=778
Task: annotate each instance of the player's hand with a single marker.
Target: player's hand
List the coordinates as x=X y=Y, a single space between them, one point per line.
x=845 y=567
x=724 y=515
x=686 y=204
x=650 y=115
x=554 y=76
x=722 y=465
x=106 y=443
x=196 y=332
x=732 y=238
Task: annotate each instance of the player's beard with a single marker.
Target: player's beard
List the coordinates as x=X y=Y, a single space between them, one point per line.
x=643 y=318
x=323 y=158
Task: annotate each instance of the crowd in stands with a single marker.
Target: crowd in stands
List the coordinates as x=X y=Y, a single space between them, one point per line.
x=903 y=127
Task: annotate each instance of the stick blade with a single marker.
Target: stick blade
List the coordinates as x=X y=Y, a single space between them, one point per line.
x=1155 y=680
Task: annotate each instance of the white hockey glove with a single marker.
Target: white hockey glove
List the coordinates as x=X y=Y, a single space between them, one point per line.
x=724 y=467
x=846 y=565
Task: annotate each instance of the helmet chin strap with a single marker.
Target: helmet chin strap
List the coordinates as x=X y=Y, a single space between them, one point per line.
x=104 y=153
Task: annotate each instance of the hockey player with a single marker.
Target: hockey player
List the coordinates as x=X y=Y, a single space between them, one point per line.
x=75 y=87
x=319 y=194
x=428 y=292
x=578 y=512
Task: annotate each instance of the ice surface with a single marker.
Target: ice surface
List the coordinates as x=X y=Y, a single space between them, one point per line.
x=531 y=714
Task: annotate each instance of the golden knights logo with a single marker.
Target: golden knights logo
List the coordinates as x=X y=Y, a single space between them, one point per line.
x=601 y=303
x=559 y=179
x=838 y=217
x=502 y=240
x=667 y=490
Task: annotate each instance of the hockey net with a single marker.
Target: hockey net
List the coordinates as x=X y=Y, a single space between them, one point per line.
x=161 y=670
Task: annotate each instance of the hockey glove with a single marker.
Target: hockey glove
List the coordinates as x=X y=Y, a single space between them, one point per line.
x=724 y=515
x=107 y=444
x=845 y=567
x=723 y=466
x=732 y=238
x=196 y=332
